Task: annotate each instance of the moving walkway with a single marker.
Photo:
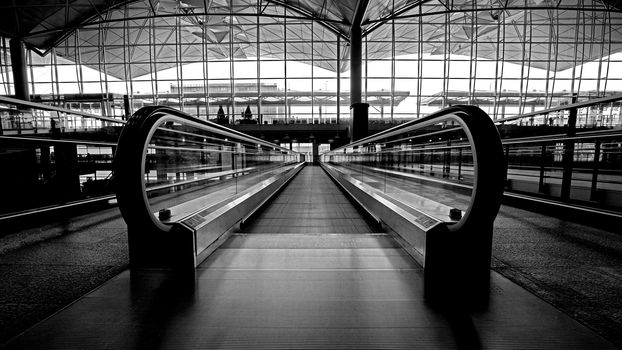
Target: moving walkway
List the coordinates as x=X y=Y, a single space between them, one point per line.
x=235 y=243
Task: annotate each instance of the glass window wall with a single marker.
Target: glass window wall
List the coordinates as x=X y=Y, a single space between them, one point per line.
x=285 y=67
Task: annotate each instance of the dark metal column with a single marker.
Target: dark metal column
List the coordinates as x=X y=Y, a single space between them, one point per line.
x=568 y=157
x=67 y=175
x=128 y=109
x=594 y=188
x=315 y=153
x=338 y=79
x=541 y=187
x=358 y=109
x=18 y=64
x=356 y=63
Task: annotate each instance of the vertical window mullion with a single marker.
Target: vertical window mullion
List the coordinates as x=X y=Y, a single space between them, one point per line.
x=79 y=62
x=392 y=66
x=258 y=68
x=231 y=61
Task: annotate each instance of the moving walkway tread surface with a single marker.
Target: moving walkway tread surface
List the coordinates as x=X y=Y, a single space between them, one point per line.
x=305 y=289
x=311 y=203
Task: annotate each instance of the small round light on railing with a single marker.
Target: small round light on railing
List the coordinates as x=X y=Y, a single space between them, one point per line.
x=455 y=214
x=164 y=214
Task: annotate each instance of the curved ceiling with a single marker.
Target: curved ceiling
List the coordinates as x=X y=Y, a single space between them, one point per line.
x=45 y=24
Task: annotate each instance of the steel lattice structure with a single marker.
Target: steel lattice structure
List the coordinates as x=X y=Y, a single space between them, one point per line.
x=509 y=57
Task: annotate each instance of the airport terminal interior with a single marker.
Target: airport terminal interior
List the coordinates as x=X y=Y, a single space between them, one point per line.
x=304 y=174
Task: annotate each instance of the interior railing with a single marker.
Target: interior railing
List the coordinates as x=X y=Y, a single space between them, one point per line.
x=407 y=168
x=569 y=153
x=25 y=117
x=177 y=173
x=55 y=159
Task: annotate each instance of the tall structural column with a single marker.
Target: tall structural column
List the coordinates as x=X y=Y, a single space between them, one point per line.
x=315 y=153
x=358 y=109
x=18 y=65
x=128 y=109
x=568 y=156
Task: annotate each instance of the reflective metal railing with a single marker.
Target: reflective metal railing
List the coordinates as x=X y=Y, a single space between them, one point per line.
x=601 y=112
x=53 y=158
x=537 y=166
x=440 y=146
x=407 y=169
x=175 y=172
x=24 y=117
x=570 y=153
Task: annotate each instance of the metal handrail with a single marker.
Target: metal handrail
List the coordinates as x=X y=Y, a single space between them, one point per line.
x=52 y=208
x=189 y=182
x=130 y=159
x=57 y=141
x=563 y=137
x=5 y=99
x=577 y=105
x=488 y=159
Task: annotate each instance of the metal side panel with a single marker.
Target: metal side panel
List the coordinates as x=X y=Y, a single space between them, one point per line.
x=213 y=230
x=410 y=228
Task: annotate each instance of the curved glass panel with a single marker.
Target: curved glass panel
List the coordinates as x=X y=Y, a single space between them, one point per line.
x=412 y=164
x=195 y=165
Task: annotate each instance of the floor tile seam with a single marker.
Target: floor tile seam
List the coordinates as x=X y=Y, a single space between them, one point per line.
x=312 y=248
x=303 y=232
x=321 y=248
x=358 y=220
x=310 y=327
x=311 y=221
x=323 y=218
x=310 y=228
x=316 y=234
x=311 y=269
x=309 y=213
x=302 y=236
x=272 y=255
